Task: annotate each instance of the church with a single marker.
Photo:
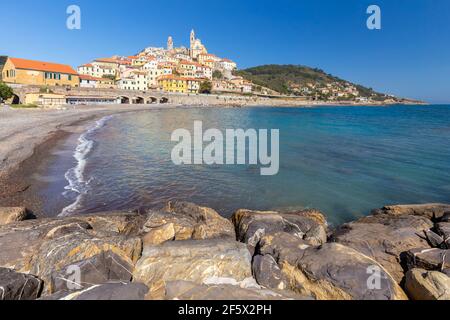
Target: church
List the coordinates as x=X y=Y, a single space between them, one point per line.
x=196 y=47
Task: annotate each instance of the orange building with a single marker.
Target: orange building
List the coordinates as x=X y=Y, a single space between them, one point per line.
x=30 y=72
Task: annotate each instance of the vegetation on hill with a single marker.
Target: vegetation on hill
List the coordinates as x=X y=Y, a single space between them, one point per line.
x=301 y=81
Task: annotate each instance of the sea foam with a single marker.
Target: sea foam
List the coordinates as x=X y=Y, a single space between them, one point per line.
x=78 y=183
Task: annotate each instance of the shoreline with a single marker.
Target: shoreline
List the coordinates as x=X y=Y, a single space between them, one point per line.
x=28 y=146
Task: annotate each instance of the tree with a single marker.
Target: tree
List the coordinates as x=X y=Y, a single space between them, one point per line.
x=5 y=91
x=206 y=87
x=217 y=75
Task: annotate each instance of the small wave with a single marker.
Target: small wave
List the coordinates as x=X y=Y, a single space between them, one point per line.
x=78 y=183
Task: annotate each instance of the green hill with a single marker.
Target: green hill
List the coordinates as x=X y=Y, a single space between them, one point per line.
x=304 y=81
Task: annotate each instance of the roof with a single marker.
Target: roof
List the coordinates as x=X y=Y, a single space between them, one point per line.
x=90 y=78
x=107 y=60
x=42 y=66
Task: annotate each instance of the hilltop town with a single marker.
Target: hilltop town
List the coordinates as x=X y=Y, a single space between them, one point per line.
x=178 y=71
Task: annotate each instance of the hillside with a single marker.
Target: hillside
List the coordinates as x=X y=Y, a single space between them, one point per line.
x=305 y=81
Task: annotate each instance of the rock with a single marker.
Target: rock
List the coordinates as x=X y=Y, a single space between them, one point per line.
x=109 y=292
x=54 y=256
x=428 y=259
x=427 y=285
x=431 y=210
x=159 y=235
x=267 y=273
x=252 y=226
x=385 y=237
x=208 y=223
x=190 y=222
x=282 y=246
x=99 y=269
x=18 y=286
x=435 y=240
x=26 y=243
x=446 y=271
x=184 y=290
x=443 y=229
x=10 y=215
x=196 y=261
x=336 y=272
x=446 y=217
x=67 y=229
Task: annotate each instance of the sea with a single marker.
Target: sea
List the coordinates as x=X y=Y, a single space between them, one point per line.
x=344 y=161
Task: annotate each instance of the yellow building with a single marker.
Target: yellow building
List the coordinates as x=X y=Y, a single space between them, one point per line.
x=30 y=72
x=172 y=83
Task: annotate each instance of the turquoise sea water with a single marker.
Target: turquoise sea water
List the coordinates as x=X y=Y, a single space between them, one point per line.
x=344 y=161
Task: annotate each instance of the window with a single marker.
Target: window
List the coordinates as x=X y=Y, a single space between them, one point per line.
x=69 y=77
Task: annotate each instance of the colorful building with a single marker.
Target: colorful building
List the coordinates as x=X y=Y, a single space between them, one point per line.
x=171 y=83
x=31 y=72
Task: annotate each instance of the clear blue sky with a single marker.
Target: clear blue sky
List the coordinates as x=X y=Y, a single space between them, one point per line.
x=410 y=56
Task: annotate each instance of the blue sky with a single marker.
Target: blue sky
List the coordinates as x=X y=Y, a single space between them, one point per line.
x=409 y=57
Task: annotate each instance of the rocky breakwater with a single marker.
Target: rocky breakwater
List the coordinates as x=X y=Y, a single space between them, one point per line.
x=185 y=251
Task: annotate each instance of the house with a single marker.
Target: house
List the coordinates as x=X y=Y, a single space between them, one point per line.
x=31 y=72
x=135 y=81
x=88 y=81
x=173 y=83
x=99 y=83
x=193 y=84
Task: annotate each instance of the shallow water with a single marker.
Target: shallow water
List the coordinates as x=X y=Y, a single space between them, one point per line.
x=344 y=161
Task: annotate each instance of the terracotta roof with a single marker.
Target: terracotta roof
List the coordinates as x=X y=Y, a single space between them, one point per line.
x=87 y=77
x=42 y=66
x=107 y=60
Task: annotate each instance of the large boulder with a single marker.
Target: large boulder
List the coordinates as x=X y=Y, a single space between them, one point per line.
x=10 y=215
x=190 y=221
x=102 y=268
x=427 y=285
x=198 y=261
x=46 y=247
x=267 y=273
x=428 y=259
x=252 y=226
x=25 y=243
x=18 y=286
x=337 y=272
x=185 y=290
x=388 y=234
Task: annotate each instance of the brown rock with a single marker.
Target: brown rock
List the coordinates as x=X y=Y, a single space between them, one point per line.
x=430 y=210
x=428 y=259
x=336 y=272
x=10 y=215
x=252 y=226
x=208 y=223
x=196 y=261
x=427 y=285
x=159 y=235
x=385 y=237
